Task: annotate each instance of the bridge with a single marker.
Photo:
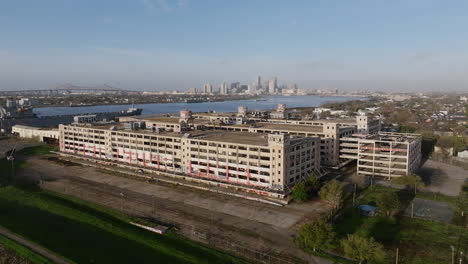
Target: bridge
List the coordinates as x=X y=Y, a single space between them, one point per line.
x=67 y=89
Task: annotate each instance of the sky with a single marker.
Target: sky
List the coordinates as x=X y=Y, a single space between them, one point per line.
x=383 y=45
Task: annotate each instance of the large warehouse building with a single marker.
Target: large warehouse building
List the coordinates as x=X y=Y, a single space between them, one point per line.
x=267 y=161
x=233 y=149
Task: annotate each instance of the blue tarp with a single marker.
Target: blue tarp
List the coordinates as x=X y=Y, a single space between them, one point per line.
x=368 y=209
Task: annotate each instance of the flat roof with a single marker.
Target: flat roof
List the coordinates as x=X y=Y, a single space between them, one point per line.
x=294 y=127
x=220 y=114
x=232 y=137
x=169 y=119
x=211 y=135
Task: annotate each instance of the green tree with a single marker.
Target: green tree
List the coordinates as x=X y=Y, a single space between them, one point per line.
x=389 y=203
x=316 y=235
x=299 y=192
x=332 y=192
x=313 y=183
x=363 y=249
x=462 y=201
x=410 y=181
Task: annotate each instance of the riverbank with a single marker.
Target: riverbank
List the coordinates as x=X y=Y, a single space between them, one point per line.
x=270 y=102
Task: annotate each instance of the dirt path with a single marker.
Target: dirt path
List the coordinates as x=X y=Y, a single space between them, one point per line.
x=39 y=250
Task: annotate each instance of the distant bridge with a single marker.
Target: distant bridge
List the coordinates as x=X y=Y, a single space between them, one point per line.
x=66 y=89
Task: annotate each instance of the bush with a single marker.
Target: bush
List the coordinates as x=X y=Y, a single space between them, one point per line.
x=299 y=192
x=363 y=249
x=316 y=235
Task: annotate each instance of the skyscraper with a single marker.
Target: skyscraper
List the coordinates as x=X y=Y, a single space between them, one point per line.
x=259 y=82
x=272 y=85
x=223 y=89
x=208 y=88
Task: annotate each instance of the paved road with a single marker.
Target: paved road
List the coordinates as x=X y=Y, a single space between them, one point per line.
x=39 y=250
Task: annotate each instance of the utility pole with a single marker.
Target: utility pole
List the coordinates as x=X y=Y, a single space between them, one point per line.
x=396 y=257
x=453 y=254
x=154 y=206
x=354 y=195
x=412 y=209
x=121 y=201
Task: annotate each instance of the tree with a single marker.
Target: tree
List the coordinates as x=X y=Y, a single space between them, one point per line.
x=332 y=192
x=299 y=192
x=363 y=249
x=462 y=201
x=312 y=183
x=389 y=203
x=316 y=235
x=410 y=181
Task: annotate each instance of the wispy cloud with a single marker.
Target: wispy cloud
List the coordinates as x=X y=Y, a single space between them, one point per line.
x=119 y=51
x=164 y=5
x=319 y=65
x=420 y=57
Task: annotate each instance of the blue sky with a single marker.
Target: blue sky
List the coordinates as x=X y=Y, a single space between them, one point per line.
x=177 y=44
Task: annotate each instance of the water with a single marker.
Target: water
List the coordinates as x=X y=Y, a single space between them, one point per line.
x=226 y=106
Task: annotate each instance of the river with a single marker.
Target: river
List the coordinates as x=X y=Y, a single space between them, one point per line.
x=270 y=102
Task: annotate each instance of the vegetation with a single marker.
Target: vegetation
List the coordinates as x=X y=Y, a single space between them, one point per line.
x=363 y=249
x=306 y=189
x=22 y=252
x=407 y=129
x=316 y=235
x=389 y=203
x=62 y=224
x=411 y=181
x=462 y=201
x=38 y=150
x=332 y=192
x=419 y=241
x=299 y=192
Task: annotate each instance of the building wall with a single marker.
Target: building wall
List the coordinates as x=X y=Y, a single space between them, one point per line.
x=389 y=158
x=34 y=132
x=282 y=162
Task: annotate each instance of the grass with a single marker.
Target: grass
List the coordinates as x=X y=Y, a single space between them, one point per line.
x=38 y=150
x=87 y=233
x=23 y=252
x=419 y=241
x=83 y=232
x=437 y=197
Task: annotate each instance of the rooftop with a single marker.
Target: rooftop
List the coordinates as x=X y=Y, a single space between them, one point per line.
x=220 y=136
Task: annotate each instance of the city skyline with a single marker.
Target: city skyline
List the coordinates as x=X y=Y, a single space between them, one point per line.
x=168 y=45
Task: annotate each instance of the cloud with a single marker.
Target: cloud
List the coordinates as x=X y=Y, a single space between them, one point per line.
x=319 y=65
x=420 y=57
x=119 y=51
x=165 y=5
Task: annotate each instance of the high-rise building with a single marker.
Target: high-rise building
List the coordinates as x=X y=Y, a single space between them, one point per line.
x=259 y=82
x=208 y=88
x=192 y=91
x=223 y=89
x=272 y=85
x=252 y=88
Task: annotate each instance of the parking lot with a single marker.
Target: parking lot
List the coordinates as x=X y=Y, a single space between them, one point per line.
x=442 y=178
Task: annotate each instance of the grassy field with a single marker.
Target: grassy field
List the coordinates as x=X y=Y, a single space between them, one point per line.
x=23 y=252
x=419 y=241
x=83 y=232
